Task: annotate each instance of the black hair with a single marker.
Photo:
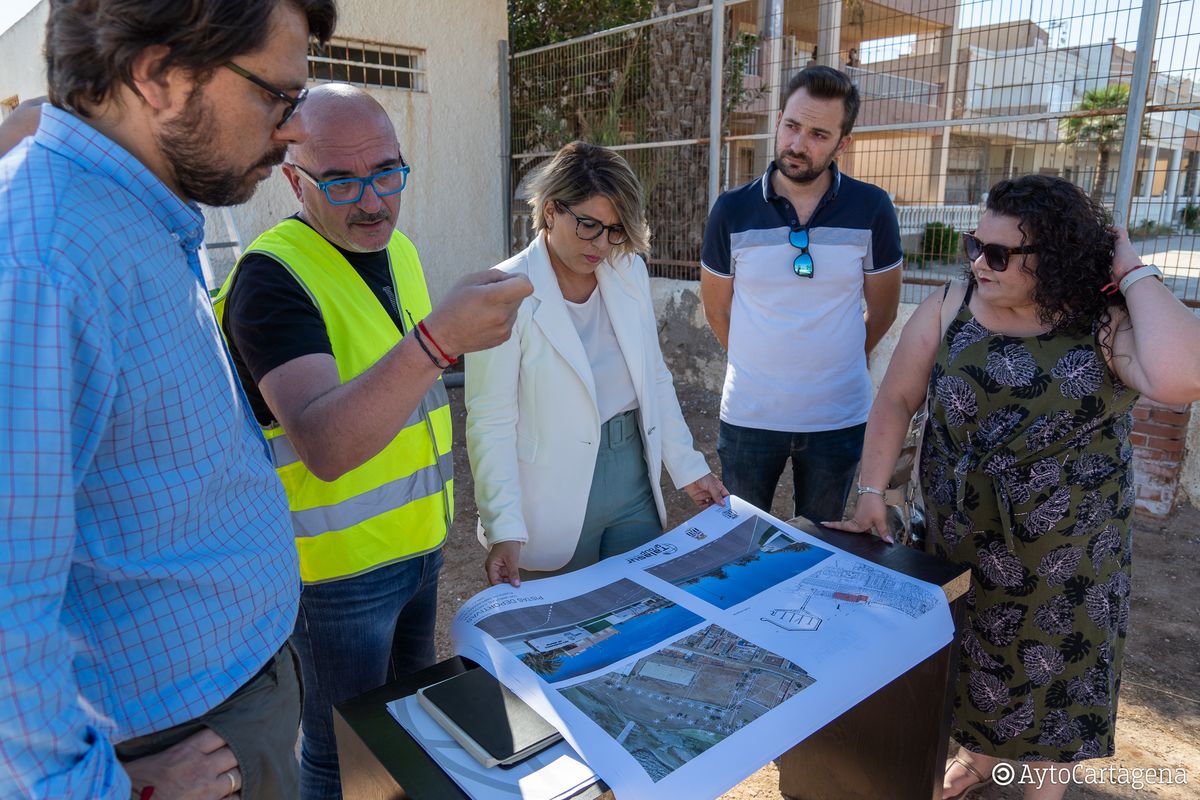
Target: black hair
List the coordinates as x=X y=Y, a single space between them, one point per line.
x=91 y=44
x=826 y=83
x=1075 y=247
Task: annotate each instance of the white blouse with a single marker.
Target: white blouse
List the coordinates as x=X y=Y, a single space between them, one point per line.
x=614 y=386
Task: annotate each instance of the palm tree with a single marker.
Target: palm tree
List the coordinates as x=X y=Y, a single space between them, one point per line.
x=1104 y=131
x=543 y=664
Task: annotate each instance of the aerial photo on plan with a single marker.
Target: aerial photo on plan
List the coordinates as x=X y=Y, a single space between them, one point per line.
x=752 y=557
x=674 y=704
x=564 y=640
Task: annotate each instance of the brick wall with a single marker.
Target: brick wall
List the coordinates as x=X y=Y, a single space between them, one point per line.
x=1159 y=434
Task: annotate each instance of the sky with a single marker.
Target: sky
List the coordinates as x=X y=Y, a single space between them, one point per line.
x=1080 y=22
x=13 y=10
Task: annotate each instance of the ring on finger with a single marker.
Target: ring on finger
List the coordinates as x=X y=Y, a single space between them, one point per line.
x=232 y=782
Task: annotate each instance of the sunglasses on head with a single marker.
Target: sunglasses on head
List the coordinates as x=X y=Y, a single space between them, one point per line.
x=802 y=265
x=996 y=255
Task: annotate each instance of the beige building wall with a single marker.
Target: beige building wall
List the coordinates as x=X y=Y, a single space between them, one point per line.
x=22 y=65
x=904 y=165
x=450 y=134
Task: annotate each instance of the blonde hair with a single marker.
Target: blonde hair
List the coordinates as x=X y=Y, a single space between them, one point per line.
x=581 y=171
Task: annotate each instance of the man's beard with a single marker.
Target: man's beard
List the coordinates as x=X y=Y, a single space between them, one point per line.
x=800 y=174
x=188 y=143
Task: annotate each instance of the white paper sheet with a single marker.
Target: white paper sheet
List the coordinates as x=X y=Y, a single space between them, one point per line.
x=679 y=669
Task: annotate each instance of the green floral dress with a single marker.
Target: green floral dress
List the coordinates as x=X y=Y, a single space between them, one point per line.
x=1026 y=473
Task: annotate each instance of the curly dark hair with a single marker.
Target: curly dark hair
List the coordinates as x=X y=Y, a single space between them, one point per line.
x=1075 y=247
x=91 y=44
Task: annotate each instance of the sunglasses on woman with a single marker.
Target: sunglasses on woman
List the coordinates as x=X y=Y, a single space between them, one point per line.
x=996 y=255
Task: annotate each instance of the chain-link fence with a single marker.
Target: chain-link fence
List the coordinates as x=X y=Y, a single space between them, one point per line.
x=956 y=95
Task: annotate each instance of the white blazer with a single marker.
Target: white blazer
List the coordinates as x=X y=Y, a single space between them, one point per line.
x=533 y=427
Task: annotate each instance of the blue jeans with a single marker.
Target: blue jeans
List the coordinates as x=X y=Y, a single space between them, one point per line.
x=823 y=466
x=352 y=636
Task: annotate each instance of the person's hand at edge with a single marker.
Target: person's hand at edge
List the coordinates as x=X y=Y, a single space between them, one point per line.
x=1125 y=257
x=478 y=313
x=707 y=491
x=870 y=516
x=201 y=767
x=501 y=563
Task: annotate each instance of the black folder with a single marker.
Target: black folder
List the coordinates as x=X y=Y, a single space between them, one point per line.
x=489 y=721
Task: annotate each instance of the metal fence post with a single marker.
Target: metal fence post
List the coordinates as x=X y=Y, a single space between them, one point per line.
x=715 y=100
x=505 y=151
x=1138 y=87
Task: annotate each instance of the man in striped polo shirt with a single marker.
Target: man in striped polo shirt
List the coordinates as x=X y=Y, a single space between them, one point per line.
x=789 y=260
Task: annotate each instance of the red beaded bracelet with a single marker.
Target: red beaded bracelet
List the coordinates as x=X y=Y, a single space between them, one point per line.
x=432 y=358
x=1112 y=286
x=425 y=332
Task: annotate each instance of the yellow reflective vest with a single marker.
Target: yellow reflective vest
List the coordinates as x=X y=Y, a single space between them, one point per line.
x=398 y=504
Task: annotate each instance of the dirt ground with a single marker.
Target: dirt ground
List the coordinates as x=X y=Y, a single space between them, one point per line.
x=1159 y=723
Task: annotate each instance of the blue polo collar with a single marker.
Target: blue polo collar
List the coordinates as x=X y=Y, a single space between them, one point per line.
x=784 y=206
x=769 y=193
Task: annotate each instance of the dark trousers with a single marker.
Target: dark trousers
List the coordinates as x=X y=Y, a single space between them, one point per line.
x=823 y=467
x=354 y=635
x=259 y=722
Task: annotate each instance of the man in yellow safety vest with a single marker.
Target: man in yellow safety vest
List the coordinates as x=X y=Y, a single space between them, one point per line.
x=333 y=335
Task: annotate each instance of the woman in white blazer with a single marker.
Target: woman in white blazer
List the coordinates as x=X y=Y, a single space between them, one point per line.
x=570 y=422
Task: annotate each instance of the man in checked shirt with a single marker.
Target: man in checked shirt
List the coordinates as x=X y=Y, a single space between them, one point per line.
x=148 y=580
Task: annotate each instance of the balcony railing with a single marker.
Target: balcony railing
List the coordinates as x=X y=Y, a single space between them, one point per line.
x=882 y=86
x=914 y=218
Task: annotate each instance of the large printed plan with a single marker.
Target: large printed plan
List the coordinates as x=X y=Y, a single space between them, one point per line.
x=678 y=669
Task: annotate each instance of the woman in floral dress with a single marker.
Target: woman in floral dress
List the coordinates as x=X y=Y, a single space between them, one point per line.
x=1026 y=466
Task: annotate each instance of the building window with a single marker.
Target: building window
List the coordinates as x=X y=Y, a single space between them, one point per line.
x=368 y=64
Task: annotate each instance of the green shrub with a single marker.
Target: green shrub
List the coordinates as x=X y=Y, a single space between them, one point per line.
x=1147 y=228
x=939 y=242
x=1191 y=217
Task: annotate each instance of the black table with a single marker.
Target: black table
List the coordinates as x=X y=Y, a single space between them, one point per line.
x=891 y=745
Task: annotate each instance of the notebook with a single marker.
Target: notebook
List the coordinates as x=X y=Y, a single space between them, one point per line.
x=489 y=721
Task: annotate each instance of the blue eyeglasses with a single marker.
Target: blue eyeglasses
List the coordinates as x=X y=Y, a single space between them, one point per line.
x=344 y=191
x=803 y=263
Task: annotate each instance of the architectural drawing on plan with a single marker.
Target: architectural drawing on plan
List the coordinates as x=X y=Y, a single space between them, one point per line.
x=858 y=582
x=672 y=705
x=798 y=618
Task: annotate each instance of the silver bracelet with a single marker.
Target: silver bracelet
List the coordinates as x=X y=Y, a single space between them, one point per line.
x=1136 y=274
x=870 y=490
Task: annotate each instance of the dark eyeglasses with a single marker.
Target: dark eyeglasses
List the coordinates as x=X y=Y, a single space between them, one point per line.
x=802 y=265
x=589 y=229
x=292 y=103
x=995 y=254
x=344 y=191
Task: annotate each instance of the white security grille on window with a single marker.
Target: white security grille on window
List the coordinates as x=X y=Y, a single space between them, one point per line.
x=368 y=64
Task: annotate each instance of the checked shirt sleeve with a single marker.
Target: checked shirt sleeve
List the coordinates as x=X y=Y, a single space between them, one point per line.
x=56 y=383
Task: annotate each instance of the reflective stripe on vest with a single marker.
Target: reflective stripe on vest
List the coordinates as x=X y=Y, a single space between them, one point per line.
x=399 y=503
